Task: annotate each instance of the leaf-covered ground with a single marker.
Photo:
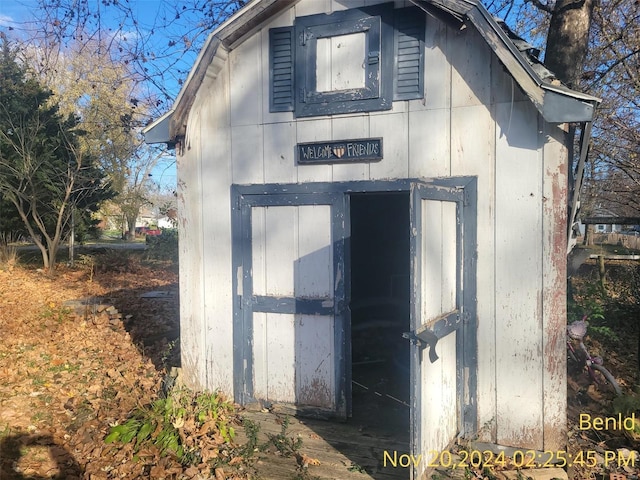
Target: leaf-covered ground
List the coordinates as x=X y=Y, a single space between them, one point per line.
x=68 y=374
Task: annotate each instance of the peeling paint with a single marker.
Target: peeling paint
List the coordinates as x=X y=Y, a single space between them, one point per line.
x=316 y=393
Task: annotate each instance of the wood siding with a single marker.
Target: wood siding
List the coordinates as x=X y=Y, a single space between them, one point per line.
x=473 y=121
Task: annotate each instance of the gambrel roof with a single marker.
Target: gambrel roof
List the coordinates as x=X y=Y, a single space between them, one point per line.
x=555 y=102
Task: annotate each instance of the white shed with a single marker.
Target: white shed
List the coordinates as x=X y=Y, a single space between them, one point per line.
x=352 y=171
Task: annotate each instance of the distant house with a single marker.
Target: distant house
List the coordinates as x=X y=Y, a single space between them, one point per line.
x=146 y=218
x=338 y=153
x=605 y=221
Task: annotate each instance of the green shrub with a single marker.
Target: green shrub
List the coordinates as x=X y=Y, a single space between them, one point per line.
x=164 y=246
x=181 y=424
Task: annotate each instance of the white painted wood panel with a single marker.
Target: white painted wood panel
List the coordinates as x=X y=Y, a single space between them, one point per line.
x=439 y=404
x=437 y=73
x=312 y=7
x=432 y=254
x=313 y=272
x=246 y=82
x=449 y=257
x=281 y=250
x=258 y=250
x=274 y=346
x=473 y=153
x=429 y=143
x=395 y=161
x=279 y=153
x=292 y=256
x=315 y=359
x=260 y=356
x=439 y=258
x=247 y=154
x=313 y=131
x=439 y=407
x=471 y=74
x=518 y=278
x=504 y=88
x=192 y=325
x=340 y=62
x=216 y=172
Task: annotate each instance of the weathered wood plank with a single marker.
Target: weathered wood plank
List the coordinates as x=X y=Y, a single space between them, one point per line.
x=337 y=446
x=439 y=406
x=190 y=209
x=449 y=257
x=518 y=278
x=473 y=153
x=313 y=272
x=260 y=355
x=315 y=382
x=215 y=140
x=554 y=307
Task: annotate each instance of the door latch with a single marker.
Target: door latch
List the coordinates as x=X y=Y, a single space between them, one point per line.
x=423 y=339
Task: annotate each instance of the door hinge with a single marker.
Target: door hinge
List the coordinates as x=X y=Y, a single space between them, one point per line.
x=305 y=36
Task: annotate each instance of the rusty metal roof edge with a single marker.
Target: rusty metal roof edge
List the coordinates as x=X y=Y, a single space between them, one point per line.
x=527 y=67
x=539 y=90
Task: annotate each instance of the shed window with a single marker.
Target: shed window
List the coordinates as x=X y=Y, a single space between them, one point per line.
x=354 y=60
x=344 y=62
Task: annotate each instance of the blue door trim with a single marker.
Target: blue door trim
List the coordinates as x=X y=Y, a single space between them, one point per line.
x=462 y=190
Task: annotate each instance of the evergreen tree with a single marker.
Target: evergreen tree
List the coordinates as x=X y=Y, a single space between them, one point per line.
x=43 y=173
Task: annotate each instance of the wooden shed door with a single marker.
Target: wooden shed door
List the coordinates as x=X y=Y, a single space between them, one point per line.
x=437 y=313
x=292 y=297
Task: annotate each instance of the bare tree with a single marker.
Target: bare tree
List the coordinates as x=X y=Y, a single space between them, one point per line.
x=594 y=46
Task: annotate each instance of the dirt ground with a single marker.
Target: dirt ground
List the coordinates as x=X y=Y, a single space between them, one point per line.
x=68 y=373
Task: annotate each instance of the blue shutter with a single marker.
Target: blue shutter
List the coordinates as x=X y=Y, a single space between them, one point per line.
x=281 y=69
x=408 y=78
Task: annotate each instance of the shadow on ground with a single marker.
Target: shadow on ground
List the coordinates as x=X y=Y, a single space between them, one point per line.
x=36 y=457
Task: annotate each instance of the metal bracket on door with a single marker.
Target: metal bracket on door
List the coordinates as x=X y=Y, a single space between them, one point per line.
x=425 y=338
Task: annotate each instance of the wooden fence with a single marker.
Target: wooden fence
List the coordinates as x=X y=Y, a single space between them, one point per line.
x=628 y=241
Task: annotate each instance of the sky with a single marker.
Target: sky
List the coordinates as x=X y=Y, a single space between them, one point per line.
x=15 y=16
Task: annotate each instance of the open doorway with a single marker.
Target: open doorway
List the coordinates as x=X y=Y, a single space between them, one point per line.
x=380 y=310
